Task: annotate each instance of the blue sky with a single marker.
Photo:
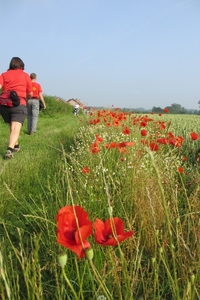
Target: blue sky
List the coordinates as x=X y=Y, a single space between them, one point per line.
x=126 y=53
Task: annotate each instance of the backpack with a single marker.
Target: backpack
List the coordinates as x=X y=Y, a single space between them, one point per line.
x=9 y=99
x=41 y=105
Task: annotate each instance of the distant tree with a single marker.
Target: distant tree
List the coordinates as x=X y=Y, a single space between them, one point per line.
x=177 y=109
x=157 y=110
x=196 y=112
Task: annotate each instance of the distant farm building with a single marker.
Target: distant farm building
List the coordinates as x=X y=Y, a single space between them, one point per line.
x=74 y=102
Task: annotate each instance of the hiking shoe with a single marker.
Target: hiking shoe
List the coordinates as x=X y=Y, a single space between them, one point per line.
x=16 y=148
x=8 y=154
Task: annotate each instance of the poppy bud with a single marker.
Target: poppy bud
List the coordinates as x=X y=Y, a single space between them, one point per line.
x=192 y=278
x=62 y=259
x=89 y=253
x=153 y=260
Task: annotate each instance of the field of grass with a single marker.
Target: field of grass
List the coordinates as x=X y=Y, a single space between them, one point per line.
x=139 y=170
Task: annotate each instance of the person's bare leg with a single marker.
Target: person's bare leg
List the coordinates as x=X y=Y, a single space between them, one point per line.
x=15 y=128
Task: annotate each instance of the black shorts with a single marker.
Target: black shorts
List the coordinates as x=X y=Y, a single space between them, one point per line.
x=14 y=114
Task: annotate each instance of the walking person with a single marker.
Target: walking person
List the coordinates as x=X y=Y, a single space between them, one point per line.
x=17 y=81
x=33 y=104
x=76 y=109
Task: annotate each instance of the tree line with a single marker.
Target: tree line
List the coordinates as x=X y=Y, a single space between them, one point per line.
x=173 y=109
x=176 y=109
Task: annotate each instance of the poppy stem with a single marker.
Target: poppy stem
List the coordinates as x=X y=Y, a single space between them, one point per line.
x=97 y=276
x=123 y=260
x=114 y=261
x=70 y=285
x=80 y=281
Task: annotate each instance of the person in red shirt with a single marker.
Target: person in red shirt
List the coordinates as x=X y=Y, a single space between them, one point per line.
x=15 y=79
x=33 y=104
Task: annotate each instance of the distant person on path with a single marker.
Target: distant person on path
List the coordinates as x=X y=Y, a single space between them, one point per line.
x=33 y=104
x=76 y=109
x=14 y=79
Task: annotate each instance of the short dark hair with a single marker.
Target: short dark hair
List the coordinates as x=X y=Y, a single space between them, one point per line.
x=16 y=63
x=33 y=76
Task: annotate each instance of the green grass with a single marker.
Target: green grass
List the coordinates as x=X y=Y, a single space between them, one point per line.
x=35 y=167
x=29 y=183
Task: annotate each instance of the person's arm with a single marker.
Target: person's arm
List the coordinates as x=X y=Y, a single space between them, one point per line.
x=42 y=99
x=29 y=95
x=29 y=90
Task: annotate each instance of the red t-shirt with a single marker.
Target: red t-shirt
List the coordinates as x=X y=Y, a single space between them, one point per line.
x=16 y=80
x=36 y=89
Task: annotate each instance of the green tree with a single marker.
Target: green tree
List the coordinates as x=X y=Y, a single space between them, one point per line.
x=177 y=109
x=157 y=110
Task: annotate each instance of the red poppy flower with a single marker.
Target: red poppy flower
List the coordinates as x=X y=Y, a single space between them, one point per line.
x=111 y=232
x=73 y=229
x=98 y=138
x=163 y=141
x=126 y=130
x=122 y=145
x=166 y=110
x=153 y=146
x=180 y=170
x=94 y=149
x=86 y=170
x=144 y=132
x=121 y=116
x=172 y=141
x=111 y=145
x=170 y=134
x=116 y=123
x=179 y=141
x=198 y=158
x=184 y=158
x=143 y=124
x=194 y=136
x=95 y=121
x=130 y=144
x=162 y=125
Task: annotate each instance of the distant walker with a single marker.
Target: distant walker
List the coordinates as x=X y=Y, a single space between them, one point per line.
x=76 y=109
x=33 y=104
